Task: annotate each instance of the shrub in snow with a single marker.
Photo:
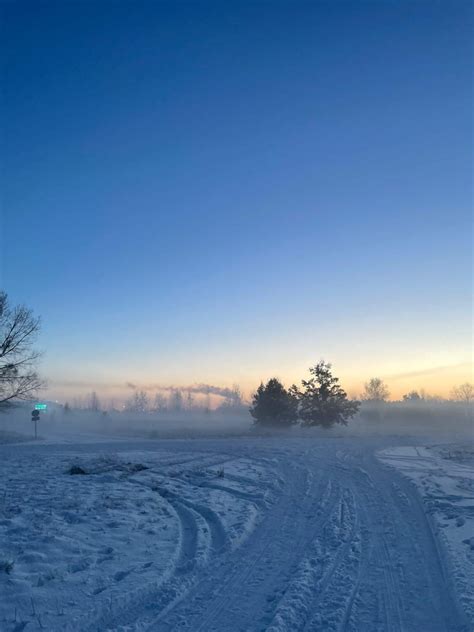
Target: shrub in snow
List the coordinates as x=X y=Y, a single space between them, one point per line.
x=76 y=469
x=6 y=566
x=136 y=467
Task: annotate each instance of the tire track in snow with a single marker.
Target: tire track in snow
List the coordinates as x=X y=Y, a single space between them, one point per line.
x=218 y=535
x=326 y=552
x=162 y=591
x=378 y=565
x=255 y=498
x=202 y=537
x=188 y=554
x=347 y=527
x=256 y=563
x=194 y=523
x=381 y=561
x=353 y=592
x=218 y=597
x=402 y=558
x=293 y=608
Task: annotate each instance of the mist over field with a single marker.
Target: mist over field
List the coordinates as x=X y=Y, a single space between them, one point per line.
x=444 y=421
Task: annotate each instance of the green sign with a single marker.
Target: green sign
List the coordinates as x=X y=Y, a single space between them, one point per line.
x=41 y=406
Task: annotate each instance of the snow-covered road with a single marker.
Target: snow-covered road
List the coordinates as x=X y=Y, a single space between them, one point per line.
x=216 y=535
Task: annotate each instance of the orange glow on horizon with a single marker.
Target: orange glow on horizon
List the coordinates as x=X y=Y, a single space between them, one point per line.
x=434 y=381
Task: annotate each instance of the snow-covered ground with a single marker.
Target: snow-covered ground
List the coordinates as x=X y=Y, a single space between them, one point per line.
x=444 y=477
x=241 y=534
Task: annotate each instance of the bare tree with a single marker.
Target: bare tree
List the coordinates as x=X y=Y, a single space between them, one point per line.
x=189 y=401
x=138 y=403
x=413 y=396
x=375 y=390
x=159 y=403
x=233 y=399
x=94 y=402
x=207 y=400
x=176 y=401
x=19 y=330
x=463 y=393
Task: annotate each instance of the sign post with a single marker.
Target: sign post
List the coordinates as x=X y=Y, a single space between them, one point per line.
x=35 y=414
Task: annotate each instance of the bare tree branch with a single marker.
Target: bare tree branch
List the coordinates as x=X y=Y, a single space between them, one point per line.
x=19 y=330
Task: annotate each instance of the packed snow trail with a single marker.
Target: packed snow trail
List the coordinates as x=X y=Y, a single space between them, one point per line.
x=347 y=546
x=280 y=535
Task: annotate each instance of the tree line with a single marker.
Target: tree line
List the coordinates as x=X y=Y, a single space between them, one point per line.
x=376 y=391
x=319 y=401
x=175 y=401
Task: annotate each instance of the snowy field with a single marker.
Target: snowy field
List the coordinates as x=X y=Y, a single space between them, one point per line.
x=237 y=534
x=444 y=477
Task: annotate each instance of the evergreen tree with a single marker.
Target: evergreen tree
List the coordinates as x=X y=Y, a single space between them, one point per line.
x=273 y=405
x=323 y=402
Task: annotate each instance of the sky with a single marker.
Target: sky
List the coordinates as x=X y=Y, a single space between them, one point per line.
x=222 y=192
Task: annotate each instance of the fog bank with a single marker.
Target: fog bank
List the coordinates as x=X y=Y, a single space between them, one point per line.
x=444 y=420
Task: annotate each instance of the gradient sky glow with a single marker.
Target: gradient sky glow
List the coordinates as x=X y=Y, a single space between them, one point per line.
x=220 y=192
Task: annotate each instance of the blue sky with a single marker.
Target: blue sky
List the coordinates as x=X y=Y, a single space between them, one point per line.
x=220 y=192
